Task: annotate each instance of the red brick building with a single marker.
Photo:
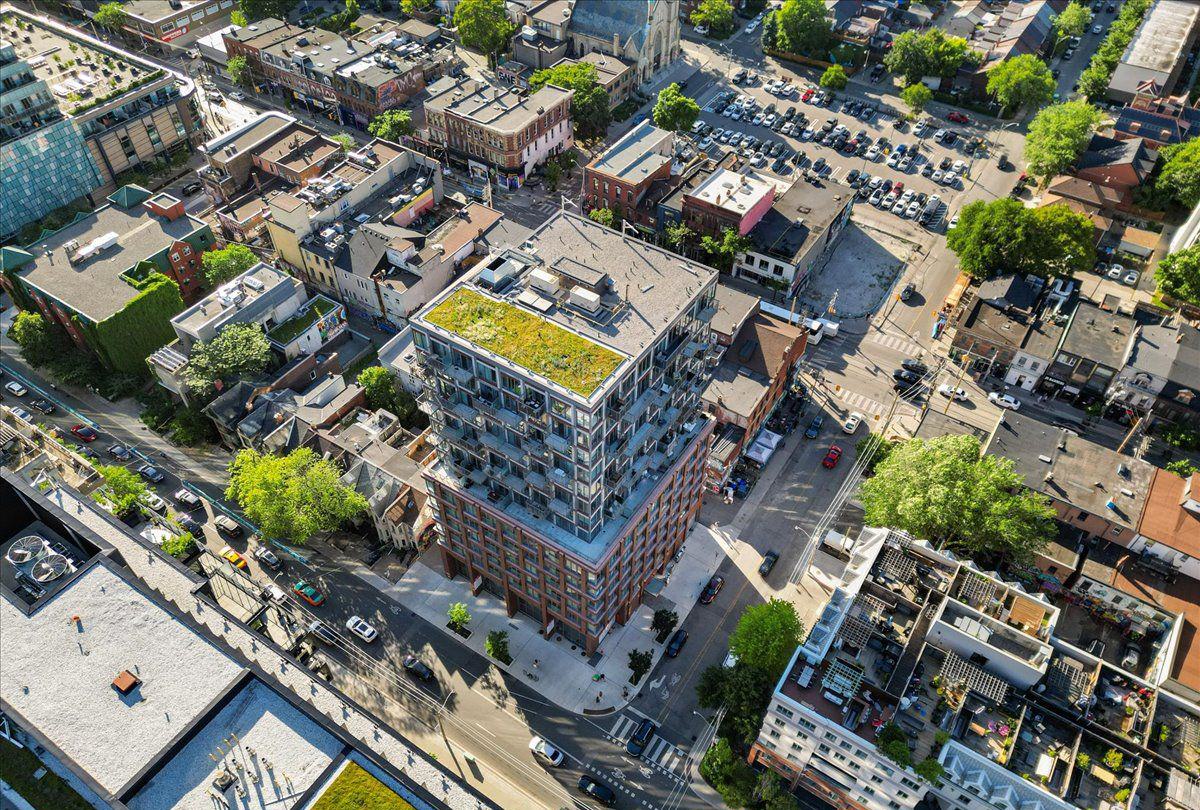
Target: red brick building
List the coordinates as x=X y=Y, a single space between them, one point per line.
x=619 y=178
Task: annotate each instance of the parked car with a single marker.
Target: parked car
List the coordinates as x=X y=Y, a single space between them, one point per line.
x=308 y=592
x=852 y=422
x=768 y=562
x=950 y=392
x=185 y=497
x=147 y=471
x=267 y=557
x=323 y=631
x=814 y=427
x=228 y=527
x=678 y=639
x=1005 y=401
x=191 y=188
x=546 y=752
x=362 y=628
x=273 y=593
x=597 y=790
x=43 y=405
x=235 y=559
x=416 y=668
x=914 y=365
x=120 y=452
x=958 y=117
x=86 y=434
x=640 y=738
x=908 y=291
x=21 y=413
x=1130 y=657
x=906 y=377
x=714 y=586
x=15 y=388
x=152 y=501
x=832 y=457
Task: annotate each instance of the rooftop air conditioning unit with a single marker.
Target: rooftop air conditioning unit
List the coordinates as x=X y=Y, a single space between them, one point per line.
x=585 y=299
x=254 y=283
x=544 y=280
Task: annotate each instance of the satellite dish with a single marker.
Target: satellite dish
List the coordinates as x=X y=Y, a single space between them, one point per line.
x=25 y=549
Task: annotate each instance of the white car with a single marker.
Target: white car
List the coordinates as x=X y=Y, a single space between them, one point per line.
x=937 y=176
x=913 y=209
x=852 y=422
x=1097 y=29
x=788 y=128
x=950 y=392
x=15 y=388
x=807 y=134
x=876 y=197
x=769 y=121
x=151 y=501
x=237 y=95
x=904 y=164
x=893 y=159
x=702 y=30
x=1005 y=401
x=186 y=497
x=949 y=178
x=1115 y=271
x=959 y=167
x=273 y=593
x=953 y=223
x=361 y=628
x=696 y=127
x=1130 y=278
x=898 y=207
x=21 y=413
x=873 y=153
x=546 y=752
x=939 y=135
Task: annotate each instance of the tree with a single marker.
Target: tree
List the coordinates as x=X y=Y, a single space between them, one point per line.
x=639 y=664
x=773 y=793
x=770 y=32
x=942 y=491
x=239 y=70
x=716 y=16
x=255 y=10
x=391 y=125
x=379 y=386
x=1180 y=173
x=803 y=28
x=240 y=349
x=40 y=343
x=604 y=216
x=227 y=264
x=880 y=448
x=1020 y=81
x=590 y=110
x=111 y=16
x=728 y=774
x=415 y=7
x=344 y=140
x=1073 y=21
x=664 y=622
x=673 y=110
x=1178 y=275
x=179 y=546
x=678 y=236
x=458 y=615
x=292 y=497
x=929 y=769
x=1182 y=467
x=915 y=55
x=720 y=252
x=483 y=26
x=916 y=96
x=1004 y=236
x=496 y=645
x=237 y=18
x=834 y=78
x=744 y=690
x=767 y=634
x=1057 y=136
x=892 y=743
x=123 y=488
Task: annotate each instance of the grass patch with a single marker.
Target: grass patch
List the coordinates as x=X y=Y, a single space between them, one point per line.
x=294 y=327
x=17 y=766
x=355 y=789
x=535 y=343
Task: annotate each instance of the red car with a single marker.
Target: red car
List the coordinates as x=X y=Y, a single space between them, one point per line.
x=899 y=187
x=83 y=433
x=808 y=94
x=958 y=117
x=832 y=457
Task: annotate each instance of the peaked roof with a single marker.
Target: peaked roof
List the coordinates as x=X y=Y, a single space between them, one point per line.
x=128 y=196
x=13 y=257
x=628 y=19
x=1103 y=152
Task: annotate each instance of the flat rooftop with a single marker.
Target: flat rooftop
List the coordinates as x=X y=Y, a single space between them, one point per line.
x=638 y=155
x=1099 y=334
x=496 y=107
x=235 y=295
x=57 y=668
x=734 y=191
x=799 y=218
x=1159 y=41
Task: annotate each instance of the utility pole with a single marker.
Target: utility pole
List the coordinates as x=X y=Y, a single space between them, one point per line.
x=962 y=369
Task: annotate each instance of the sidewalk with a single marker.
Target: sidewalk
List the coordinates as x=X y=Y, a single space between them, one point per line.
x=563 y=673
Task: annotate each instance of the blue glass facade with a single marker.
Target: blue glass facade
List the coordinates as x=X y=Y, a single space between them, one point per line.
x=43 y=171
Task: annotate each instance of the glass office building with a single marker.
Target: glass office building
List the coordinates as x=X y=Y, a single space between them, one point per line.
x=42 y=171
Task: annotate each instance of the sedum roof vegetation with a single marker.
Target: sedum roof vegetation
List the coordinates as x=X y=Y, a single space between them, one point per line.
x=532 y=342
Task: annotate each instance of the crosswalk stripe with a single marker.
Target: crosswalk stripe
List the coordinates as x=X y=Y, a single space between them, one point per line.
x=894 y=342
x=860 y=402
x=623 y=726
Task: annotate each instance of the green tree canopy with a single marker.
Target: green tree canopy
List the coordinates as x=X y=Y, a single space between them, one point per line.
x=803 y=27
x=770 y=32
x=744 y=691
x=255 y=10
x=111 y=16
x=1057 y=136
x=459 y=615
x=834 y=78
x=483 y=26
x=915 y=55
x=238 y=18
x=292 y=497
x=673 y=110
x=1093 y=82
x=604 y=216
x=40 y=343
x=227 y=264
x=1180 y=172
x=719 y=252
x=916 y=96
x=1021 y=81
x=943 y=491
x=382 y=390
x=1004 y=236
x=590 y=110
x=1073 y=20
x=766 y=636
x=123 y=488
x=391 y=125
x=729 y=774
x=1178 y=275
x=239 y=70
x=240 y=349
x=413 y=7
x=716 y=16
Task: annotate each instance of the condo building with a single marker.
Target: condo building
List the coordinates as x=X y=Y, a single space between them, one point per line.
x=563 y=380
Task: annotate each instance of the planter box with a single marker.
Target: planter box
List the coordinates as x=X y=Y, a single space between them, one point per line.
x=460 y=631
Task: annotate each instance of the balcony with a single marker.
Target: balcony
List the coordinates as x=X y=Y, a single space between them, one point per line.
x=537 y=481
x=706 y=315
x=559 y=444
x=510 y=418
x=561 y=507
x=464 y=411
x=462 y=376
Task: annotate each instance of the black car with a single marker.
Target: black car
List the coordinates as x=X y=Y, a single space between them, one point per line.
x=711 y=590
x=789 y=113
x=886 y=186
x=120 y=452
x=914 y=365
x=945 y=164
x=851 y=176
x=597 y=790
x=191 y=188
x=907 y=390
x=640 y=738
x=151 y=474
x=818 y=165
x=906 y=377
x=43 y=405
x=814 y=427
x=769 y=560
x=950 y=138
x=190 y=524
x=678 y=639
x=416 y=667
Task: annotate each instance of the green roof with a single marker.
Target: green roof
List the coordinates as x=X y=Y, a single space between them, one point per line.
x=295 y=326
x=528 y=340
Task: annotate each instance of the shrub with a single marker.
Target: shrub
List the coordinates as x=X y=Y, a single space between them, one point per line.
x=180 y=546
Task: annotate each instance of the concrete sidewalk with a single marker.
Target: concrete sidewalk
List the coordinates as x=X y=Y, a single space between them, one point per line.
x=563 y=673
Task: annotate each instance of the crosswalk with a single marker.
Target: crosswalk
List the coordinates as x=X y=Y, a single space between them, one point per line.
x=857 y=402
x=660 y=754
x=907 y=347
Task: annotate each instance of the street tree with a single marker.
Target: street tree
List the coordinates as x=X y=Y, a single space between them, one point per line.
x=834 y=78
x=239 y=70
x=744 y=690
x=255 y=10
x=1003 y=236
x=664 y=622
x=458 y=615
x=1178 y=275
x=1021 y=81
x=673 y=110
x=1062 y=243
x=916 y=96
x=639 y=664
x=1072 y=21
x=391 y=125
x=414 y=7
x=590 y=112
x=803 y=28
x=111 y=16
x=719 y=252
x=773 y=793
x=496 y=645
x=122 y=488
x=729 y=774
x=915 y=55
x=679 y=236
x=716 y=16
x=1180 y=173
x=226 y=264
x=240 y=349
x=604 y=216
x=292 y=497
x=943 y=491
x=766 y=636
x=39 y=342
x=483 y=26
x=770 y=32
x=1057 y=136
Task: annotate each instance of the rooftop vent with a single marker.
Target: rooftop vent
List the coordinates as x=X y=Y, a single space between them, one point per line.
x=126 y=682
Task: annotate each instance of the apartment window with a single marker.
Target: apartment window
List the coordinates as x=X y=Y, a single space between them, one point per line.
x=909 y=783
x=127 y=146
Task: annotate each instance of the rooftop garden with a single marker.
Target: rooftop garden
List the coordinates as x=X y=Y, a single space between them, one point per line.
x=528 y=340
x=296 y=326
x=355 y=789
x=18 y=767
